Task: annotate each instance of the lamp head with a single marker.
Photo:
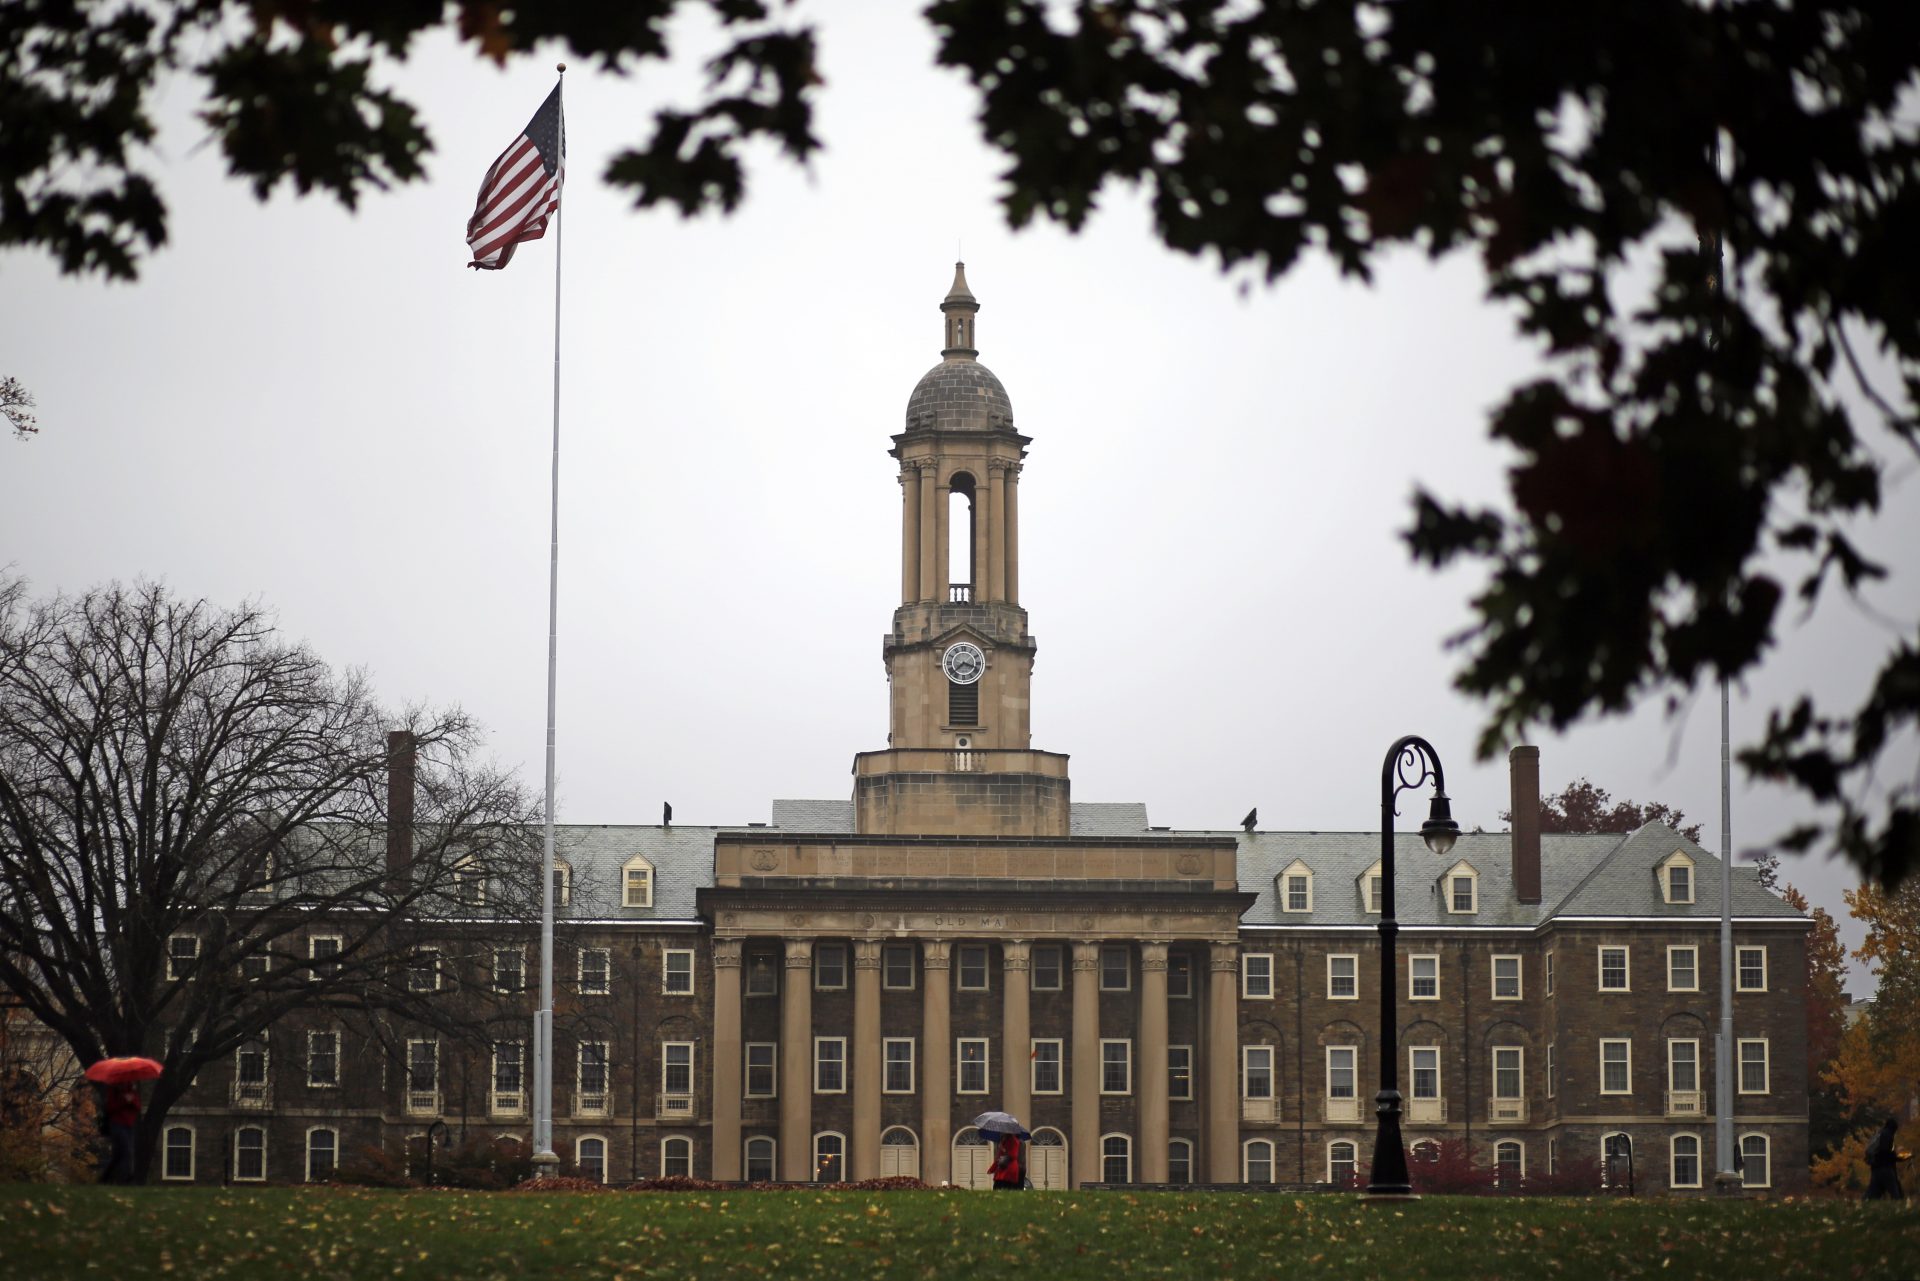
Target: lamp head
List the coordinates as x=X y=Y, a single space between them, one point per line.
x=1440 y=831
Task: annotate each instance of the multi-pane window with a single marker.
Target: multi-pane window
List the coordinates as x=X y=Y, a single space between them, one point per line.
x=591 y=1077
x=829 y=1158
x=1552 y=1069
x=676 y=1158
x=509 y=1062
x=1116 y=971
x=973 y=967
x=1179 y=1161
x=323 y=1153
x=1423 y=978
x=1686 y=1160
x=423 y=1075
x=176 y=1152
x=509 y=969
x=1116 y=1159
x=1374 y=891
x=636 y=883
x=897 y=1061
x=1509 y=1163
x=1683 y=1066
x=676 y=972
x=1425 y=1062
x=255 y=965
x=590 y=1159
x=829 y=1064
x=1256 y=976
x=676 y=1067
x=1179 y=1071
x=1179 y=975
x=423 y=970
x=1343 y=1160
x=323 y=1059
x=972 y=1076
x=1256 y=1161
x=1460 y=891
x=1256 y=1071
x=1299 y=892
x=1616 y=1067
x=1507 y=1073
x=1506 y=978
x=762 y=1069
x=830 y=966
x=760 y=1167
x=1045 y=960
x=596 y=971
x=1756 y=1161
x=323 y=951
x=1549 y=974
x=250 y=1070
x=1340 y=1071
x=1116 y=1067
x=1753 y=1067
x=1343 y=978
x=896 y=967
x=249 y=1154
x=1750 y=969
x=562 y=884
x=182 y=951
x=1616 y=1158
x=1683 y=969
x=1613 y=969
x=1679 y=883
x=763 y=974
x=1046 y=1067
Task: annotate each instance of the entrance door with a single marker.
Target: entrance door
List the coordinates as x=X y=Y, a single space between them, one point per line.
x=899 y=1154
x=1047 y=1160
x=972 y=1160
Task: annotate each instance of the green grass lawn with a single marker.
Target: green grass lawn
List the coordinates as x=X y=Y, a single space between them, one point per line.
x=278 y=1234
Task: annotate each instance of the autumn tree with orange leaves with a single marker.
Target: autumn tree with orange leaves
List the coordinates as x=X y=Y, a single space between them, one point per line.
x=1876 y=1071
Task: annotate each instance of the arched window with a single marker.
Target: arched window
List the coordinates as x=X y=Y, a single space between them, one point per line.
x=1756 y=1161
x=323 y=1153
x=1616 y=1159
x=1509 y=1164
x=1047 y=1160
x=676 y=1158
x=760 y=1166
x=899 y=1154
x=562 y=883
x=1256 y=1161
x=1180 y=1161
x=590 y=1158
x=829 y=1157
x=1343 y=1163
x=176 y=1147
x=1684 y=1170
x=636 y=883
x=249 y=1154
x=1425 y=1152
x=1116 y=1158
x=962 y=573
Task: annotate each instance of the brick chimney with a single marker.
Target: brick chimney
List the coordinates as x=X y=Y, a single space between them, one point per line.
x=1523 y=768
x=400 y=765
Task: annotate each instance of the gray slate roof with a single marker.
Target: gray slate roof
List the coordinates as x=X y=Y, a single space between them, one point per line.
x=959 y=394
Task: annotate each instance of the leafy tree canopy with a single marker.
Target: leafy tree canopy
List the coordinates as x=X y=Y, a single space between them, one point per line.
x=1582 y=807
x=1702 y=211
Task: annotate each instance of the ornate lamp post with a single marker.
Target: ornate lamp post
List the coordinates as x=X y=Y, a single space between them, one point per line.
x=1398 y=774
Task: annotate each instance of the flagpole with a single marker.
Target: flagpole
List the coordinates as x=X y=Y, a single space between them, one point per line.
x=545 y=1160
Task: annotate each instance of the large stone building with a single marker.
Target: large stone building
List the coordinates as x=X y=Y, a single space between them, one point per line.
x=834 y=993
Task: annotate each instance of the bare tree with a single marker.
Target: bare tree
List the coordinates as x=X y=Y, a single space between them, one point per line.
x=15 y=402
x=187 y=800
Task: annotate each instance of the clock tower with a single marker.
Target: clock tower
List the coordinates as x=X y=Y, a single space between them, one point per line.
x=959 y=658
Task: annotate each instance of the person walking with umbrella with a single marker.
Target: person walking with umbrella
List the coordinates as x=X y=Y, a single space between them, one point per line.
x=120 y=1108
x=1009 y=1170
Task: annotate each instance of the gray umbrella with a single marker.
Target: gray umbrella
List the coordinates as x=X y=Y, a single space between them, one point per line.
x=1000 y=1123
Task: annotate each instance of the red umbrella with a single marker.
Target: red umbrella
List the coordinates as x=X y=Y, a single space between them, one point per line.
x=114 y=1071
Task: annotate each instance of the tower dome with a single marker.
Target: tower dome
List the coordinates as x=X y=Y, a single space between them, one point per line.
x=959 y=393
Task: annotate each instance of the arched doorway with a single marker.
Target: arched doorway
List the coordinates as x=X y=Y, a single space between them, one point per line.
x=899 y=1154
x=972 y=1160
x=1047 y=1160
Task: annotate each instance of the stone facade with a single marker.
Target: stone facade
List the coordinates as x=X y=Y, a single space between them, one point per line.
x=837 y=993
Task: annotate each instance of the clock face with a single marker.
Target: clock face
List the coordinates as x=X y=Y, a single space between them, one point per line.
x=963 y=663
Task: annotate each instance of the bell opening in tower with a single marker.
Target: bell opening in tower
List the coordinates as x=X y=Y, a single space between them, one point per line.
x=962 y=536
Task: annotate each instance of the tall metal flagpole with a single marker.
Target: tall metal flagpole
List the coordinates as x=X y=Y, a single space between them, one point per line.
x=545 y=1160
x=1723 y=1065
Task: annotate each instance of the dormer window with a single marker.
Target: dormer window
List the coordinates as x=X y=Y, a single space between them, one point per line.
x=1676 y=878
x=1462 y=889
x=1296 y=888
x=636 y=883
x=1370 y=890
x=562 y=884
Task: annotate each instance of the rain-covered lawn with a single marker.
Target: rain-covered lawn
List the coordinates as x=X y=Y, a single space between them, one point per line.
x=299 y=1234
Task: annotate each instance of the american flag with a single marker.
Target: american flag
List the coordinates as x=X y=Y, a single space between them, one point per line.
x=522 y=189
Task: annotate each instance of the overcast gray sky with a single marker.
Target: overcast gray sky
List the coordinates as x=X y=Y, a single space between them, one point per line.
x=329 y=412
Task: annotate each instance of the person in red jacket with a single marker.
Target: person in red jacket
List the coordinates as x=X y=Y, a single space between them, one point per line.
x=122 y=1111
x=1006 y=1165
